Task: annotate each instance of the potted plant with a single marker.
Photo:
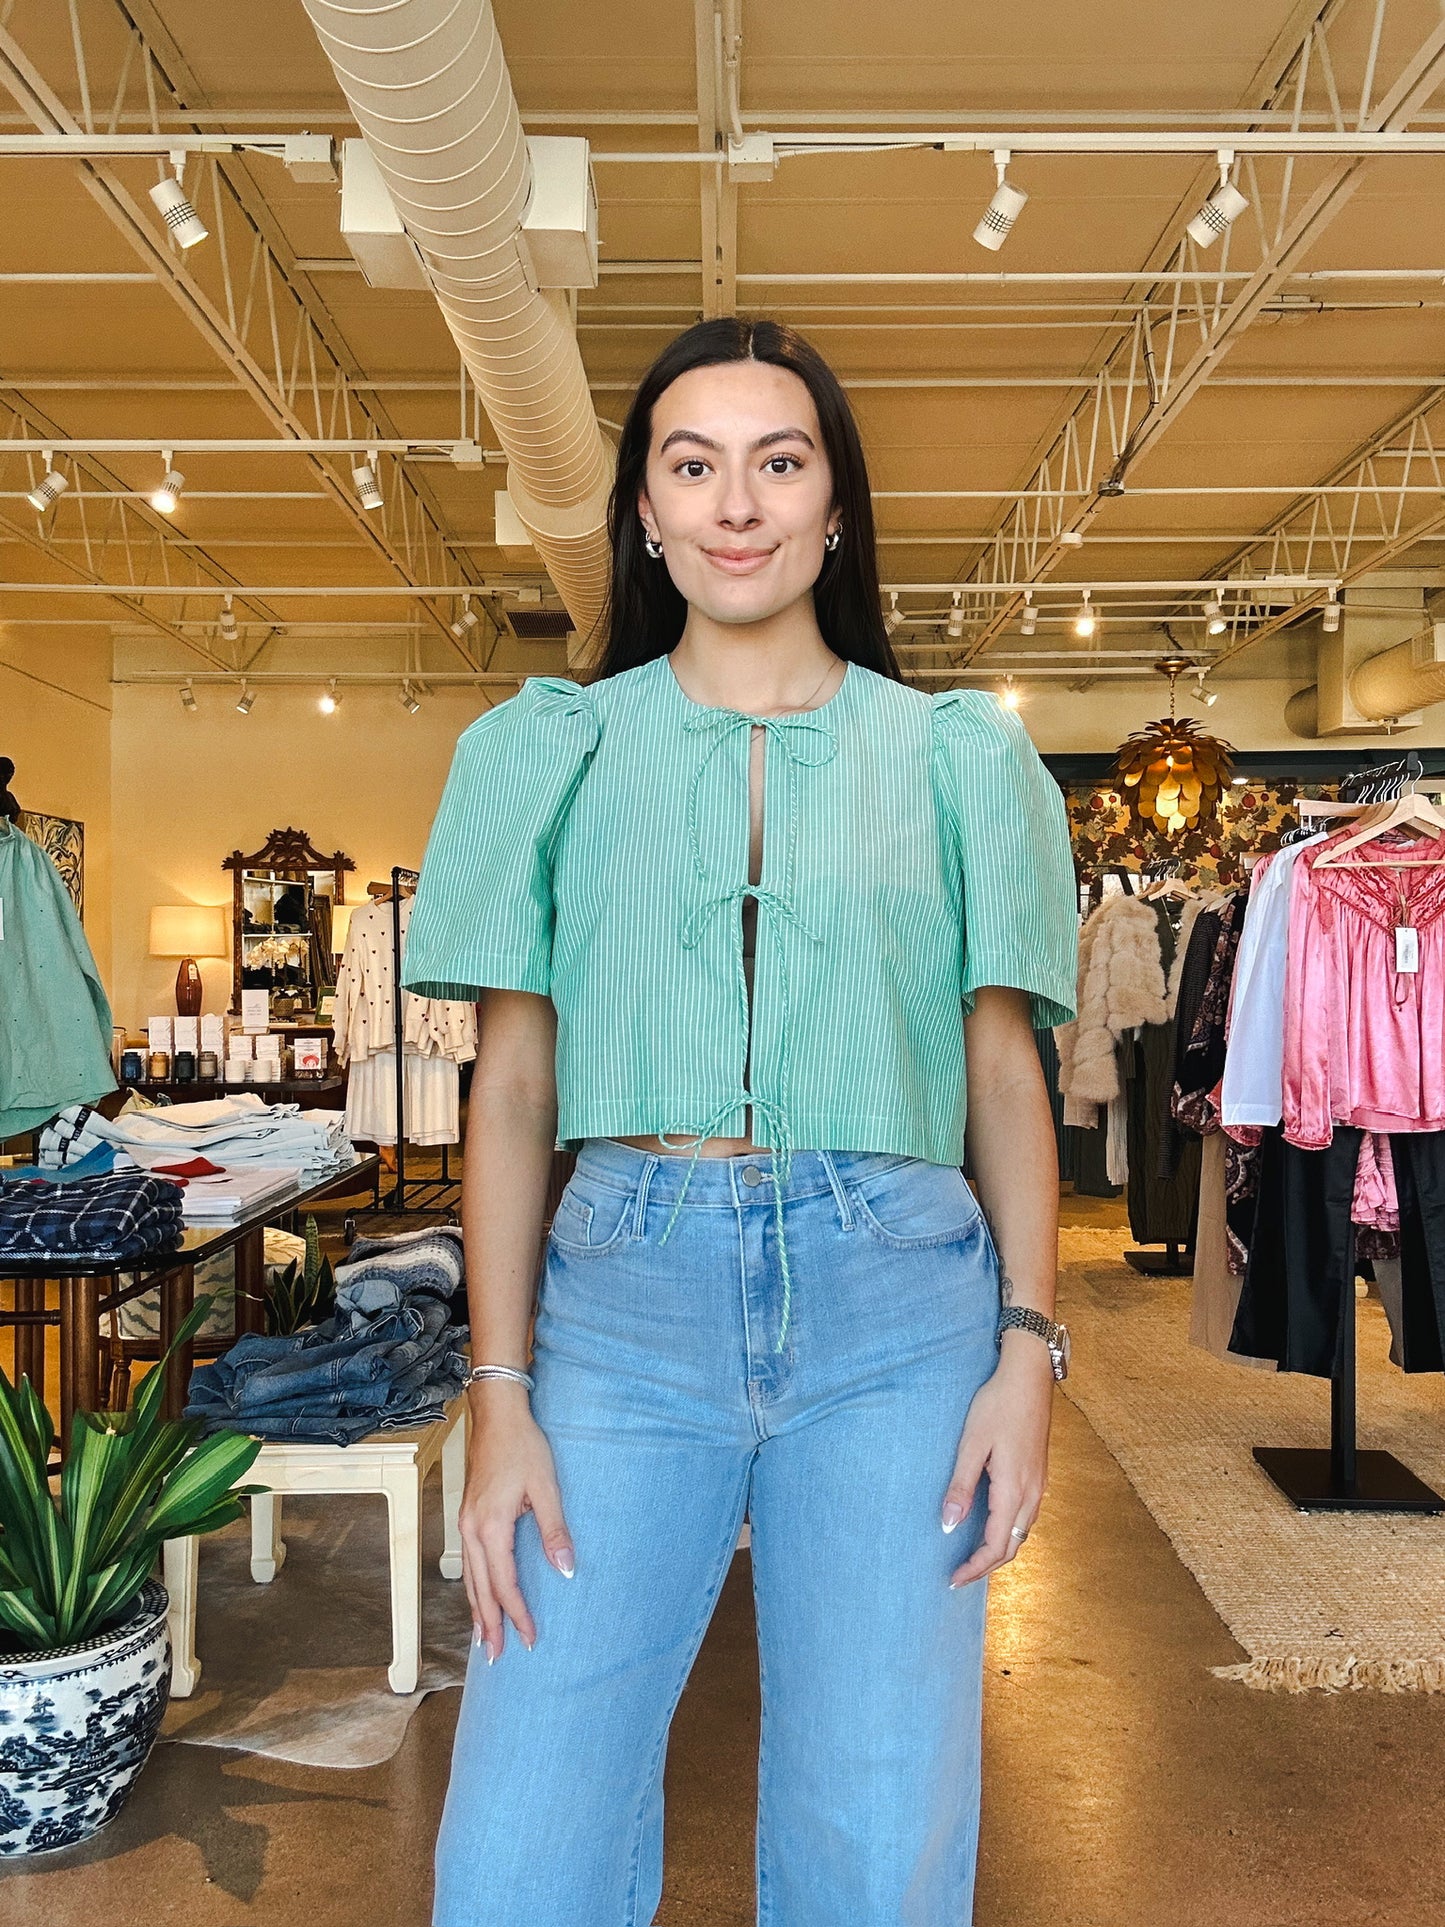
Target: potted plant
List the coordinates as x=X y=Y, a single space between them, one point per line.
x=85 y=1658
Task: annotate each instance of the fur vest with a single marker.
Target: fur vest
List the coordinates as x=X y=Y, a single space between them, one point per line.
x=1121 y=985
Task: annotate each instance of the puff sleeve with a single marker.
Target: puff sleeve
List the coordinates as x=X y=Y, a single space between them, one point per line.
x=1010 y=839
x=482 y=918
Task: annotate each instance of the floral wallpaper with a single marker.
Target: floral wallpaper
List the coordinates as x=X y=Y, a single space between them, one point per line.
x=1252 y=817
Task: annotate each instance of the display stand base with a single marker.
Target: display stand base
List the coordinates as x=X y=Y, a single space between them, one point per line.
x=1172 y=1262
x=1309 y=1478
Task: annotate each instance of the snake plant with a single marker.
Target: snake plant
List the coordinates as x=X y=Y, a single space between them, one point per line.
x=72 y=1562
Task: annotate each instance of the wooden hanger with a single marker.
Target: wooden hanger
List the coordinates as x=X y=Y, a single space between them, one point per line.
x=1410 y=810
x=1166 y=887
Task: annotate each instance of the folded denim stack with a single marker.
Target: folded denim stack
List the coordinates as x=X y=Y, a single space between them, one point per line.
x=117 y=1218
x=232 y=1131
x=389 y=1357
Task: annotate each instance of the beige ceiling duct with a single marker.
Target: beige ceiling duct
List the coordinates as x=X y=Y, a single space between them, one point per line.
x=1362 y=687
x=428 y=83
x=1408 y=677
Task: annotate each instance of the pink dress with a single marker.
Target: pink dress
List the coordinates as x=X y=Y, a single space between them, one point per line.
x=1364 y=1042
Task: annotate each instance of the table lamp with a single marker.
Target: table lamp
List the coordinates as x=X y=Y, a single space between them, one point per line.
x=188 y=931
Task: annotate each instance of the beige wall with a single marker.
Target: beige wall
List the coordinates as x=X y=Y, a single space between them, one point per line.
x=55 y=727
x=189 y=789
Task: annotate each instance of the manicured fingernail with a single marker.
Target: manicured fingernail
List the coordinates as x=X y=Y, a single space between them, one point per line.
x=952 y=1513
x=491 y=1656
x=564 y=1562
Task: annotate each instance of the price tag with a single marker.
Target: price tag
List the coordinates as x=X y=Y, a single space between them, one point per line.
x=1407 y=948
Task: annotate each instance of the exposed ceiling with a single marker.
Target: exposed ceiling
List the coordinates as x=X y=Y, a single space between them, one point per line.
x=1297 y=361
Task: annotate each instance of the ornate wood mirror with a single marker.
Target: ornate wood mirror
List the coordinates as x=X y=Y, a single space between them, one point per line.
x=281 y=921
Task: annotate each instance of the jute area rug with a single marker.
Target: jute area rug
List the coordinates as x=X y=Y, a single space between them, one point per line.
x=1329 y=1601
x=297 y=1669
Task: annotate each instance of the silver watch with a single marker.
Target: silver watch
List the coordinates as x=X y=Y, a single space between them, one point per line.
x=1056 y=1337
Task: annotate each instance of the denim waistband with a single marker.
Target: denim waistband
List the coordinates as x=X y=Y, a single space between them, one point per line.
x=720 y=1181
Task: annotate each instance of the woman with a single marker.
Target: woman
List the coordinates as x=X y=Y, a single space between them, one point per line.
x=731 y=912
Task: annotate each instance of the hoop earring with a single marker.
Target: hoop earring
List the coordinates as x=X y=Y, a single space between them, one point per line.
x=654 y=549
x=830 y=542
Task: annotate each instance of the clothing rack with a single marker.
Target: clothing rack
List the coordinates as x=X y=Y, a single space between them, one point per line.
x=1340 y=1477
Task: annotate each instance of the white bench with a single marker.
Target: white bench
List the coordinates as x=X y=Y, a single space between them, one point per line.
x=394 y=1464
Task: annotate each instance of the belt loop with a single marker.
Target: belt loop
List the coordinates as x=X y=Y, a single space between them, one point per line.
x=639 y=1209
x=845 y=1214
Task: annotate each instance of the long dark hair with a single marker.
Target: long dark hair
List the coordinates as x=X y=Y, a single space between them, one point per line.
x=645 y=612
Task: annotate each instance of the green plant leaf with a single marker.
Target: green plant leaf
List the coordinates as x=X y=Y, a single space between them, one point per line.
x=93 y=1468
x=22 y=1614
x=209 y=1471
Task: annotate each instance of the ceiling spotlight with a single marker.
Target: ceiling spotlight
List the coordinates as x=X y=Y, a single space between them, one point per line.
x=467 y=619
x=1012 y=695
x=953 y=628
x=51 y=484
x=245 y=699
x=168 y=493
x=407 y=697
x=996 y=223
x=328 y=702
x=188 y=699
x=1215 y=625
x=1085 y=622
x=1030 y=618
x=1071 y=539
x=227 y=628
x=894 y=615
x=368 y=488
x=181 y=218
x=1330 y=613
x=1223 y=207
x=1206 y=697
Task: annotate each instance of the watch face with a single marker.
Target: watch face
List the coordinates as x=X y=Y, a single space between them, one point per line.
x=1066 y=1348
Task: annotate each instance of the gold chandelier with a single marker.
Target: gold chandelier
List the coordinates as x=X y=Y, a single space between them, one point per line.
x=1172 y=772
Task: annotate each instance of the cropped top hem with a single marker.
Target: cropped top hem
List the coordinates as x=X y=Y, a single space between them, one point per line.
x=814 y=1131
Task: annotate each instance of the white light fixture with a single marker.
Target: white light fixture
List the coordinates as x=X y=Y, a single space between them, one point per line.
x=188 y=699
x=1030 y=618
x=997 y=221
x=168 y=493
x=1215 y=625
x=328 y=702
x=894 y=615
x=245 y=699
x=368 y=488
x=1012 y=695
x=1221 y=210
x=1330 y=613
x=467 y=619
x=227 y=628
x=1071 y=539
x=407 y=697
x=1207 y=698
x=953 y=628
x=1238 y=782
x=186 y=226
x=51 y=484
x=1085 y=622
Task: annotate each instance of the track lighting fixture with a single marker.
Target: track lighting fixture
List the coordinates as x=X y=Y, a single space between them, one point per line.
x=466 y=619
x=51 y=484
x=1029 y=621
x=1085 y=622
x=1012 y=695
x=186 y=226
x=245 y=699
x=188 y=698
x=368 y=488
x=408 y=699
x=996 y=223
x=227 y=628
x=168 y=493
x=328 y=702
x=1206 y=698
x=953 y=628
x=1215 y=625
x=1330 y=613
x=894 y=616
x=1221 y=210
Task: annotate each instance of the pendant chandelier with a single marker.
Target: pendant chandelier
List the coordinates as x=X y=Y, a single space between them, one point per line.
x=1172 y=773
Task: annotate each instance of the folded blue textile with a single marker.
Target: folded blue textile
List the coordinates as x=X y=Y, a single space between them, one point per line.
x=121 y=1217
x=95 y=1164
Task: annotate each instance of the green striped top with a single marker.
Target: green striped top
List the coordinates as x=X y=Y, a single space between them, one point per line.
x=592 y=846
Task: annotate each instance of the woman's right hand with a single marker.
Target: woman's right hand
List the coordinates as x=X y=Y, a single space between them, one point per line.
x=509 y=1472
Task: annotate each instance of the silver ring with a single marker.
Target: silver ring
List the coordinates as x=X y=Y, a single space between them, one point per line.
x=1020 y=1533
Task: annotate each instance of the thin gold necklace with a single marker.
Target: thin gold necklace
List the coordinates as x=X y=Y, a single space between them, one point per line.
x=791 y=709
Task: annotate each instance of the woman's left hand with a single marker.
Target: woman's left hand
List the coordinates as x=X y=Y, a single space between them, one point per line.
x=1007 y=1436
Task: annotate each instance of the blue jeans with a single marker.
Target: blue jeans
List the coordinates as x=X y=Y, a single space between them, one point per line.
x=670 y=1418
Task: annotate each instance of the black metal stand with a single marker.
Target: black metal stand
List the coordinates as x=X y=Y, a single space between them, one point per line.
x=1174 y=1261
x=1344 y=1479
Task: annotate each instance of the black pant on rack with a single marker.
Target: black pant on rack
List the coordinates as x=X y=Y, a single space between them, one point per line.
x=1301 y=1272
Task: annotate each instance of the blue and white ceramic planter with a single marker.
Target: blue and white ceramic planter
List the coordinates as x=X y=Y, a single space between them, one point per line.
x=76 y=1727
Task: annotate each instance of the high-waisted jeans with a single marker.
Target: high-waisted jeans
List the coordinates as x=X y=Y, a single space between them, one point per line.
x=671 y=1417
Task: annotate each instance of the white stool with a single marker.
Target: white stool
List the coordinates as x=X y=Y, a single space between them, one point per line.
x=392 y=1463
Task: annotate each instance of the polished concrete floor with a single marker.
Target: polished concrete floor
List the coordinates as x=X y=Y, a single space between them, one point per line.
x=1125 y=1787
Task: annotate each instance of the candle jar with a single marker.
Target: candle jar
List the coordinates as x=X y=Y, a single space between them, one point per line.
x=132 y=1066
x=183 y=1070
x=159 y=1066
x=208 y=1067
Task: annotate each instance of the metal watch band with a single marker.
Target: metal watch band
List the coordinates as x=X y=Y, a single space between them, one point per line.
x=1026 y=1318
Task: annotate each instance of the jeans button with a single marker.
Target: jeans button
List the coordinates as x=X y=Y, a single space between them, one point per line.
x=751 y=1174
